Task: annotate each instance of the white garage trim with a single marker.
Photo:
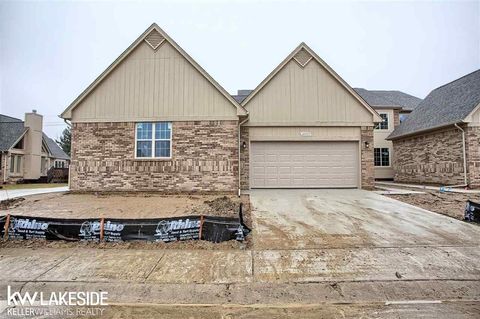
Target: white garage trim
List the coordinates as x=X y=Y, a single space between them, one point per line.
x=306 y=133
x=301 y=164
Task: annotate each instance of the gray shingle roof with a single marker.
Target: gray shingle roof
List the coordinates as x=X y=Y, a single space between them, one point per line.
x=446 y=105
x=241 y=95
x=8 y=119
x=389 y=98
x=55 y=150
x=10 y=132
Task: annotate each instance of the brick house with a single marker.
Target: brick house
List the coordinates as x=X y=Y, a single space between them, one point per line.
x=26 y=153
x=393 y=107
x=439 y=142
x=156 y=121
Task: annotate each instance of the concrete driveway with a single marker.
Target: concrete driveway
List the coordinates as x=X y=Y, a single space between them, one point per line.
x=355 y=235
x=347 y=218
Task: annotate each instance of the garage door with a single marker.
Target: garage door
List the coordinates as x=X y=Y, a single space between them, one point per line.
x=304 y=164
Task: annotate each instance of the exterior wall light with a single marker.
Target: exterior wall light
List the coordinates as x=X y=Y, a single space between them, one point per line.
x=367 y=145
x=244 y=145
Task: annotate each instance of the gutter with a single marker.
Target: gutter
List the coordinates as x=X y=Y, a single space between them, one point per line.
x=465 y=180
x=239 y=151
x=70 y=157
x=424 y=131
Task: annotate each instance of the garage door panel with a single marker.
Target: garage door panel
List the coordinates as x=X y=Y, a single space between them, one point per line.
x=304 y=164
x=271 y=170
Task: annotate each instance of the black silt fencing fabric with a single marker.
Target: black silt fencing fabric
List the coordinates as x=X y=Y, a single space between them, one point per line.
x=214 y=229
x=3 y=219
x=165 y=230
x=218 y=229
x=26 y=227
x=472 y=212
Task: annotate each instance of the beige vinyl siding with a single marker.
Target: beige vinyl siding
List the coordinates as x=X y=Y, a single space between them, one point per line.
x=304 y=133
x=154 y=85
x=380 y=141
x=474 y=117
x=306 y=96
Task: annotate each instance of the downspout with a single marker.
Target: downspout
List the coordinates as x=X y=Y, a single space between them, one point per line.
x=464 y=156
x=71 y=143
x=239 y=150
x=5 y=167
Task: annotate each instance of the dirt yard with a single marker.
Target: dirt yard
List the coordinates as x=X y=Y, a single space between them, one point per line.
x=128 y=205
x=448 y=203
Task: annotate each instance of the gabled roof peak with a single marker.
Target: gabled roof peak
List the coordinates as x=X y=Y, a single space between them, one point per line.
x=303 y=54
x=155 y=40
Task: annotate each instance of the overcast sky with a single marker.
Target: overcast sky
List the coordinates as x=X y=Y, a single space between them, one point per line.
x=50 y=52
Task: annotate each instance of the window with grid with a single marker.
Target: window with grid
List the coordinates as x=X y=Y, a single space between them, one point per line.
x=383 y=125
x=381 y=156
x=153 y=140
x=15 y=164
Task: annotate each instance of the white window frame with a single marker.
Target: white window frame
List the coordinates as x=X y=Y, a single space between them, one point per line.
x=389 y=157
x=388 y=123
x=153 y=140
x=17 y=164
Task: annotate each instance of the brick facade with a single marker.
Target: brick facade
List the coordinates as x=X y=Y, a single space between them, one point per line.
x=367 y=165
x=204 y=159
x=435 y=157
x=244 y=159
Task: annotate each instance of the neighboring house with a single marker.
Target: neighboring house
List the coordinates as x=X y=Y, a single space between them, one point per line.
x=26 y=153
x=394 y=107
x=440 y=141
x=156 y=121
x=241 y=95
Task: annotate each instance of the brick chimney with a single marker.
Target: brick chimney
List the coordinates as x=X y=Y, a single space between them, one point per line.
x=33 y=145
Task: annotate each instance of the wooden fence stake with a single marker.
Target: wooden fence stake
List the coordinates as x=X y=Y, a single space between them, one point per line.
x=7 y=225
x=201 y=227
x=102 y=223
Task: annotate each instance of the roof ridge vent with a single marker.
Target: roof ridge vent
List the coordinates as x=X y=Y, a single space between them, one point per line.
x=154 y=39
x=302 y=57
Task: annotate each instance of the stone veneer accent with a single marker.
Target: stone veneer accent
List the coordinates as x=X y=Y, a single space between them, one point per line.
x=244 y=158
x=435 y=157
x=367 y=165
x=204 y=159
x=472 y=147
